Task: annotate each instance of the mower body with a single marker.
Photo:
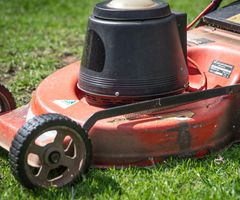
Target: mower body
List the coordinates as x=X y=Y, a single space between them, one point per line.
x=195 y=129
x=202 y=125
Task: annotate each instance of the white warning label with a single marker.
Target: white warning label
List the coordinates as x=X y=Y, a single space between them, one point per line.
x=65 y=103
x=221 y=69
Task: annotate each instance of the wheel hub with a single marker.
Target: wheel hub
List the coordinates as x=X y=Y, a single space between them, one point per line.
x=54 y=157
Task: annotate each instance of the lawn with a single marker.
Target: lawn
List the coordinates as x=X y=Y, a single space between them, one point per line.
x=39 y=37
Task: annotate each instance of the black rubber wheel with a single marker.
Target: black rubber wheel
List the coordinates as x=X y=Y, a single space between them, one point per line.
x=7 y=102
x=50 y=151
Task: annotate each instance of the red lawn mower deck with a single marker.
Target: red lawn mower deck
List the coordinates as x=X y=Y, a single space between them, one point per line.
x=67 y=126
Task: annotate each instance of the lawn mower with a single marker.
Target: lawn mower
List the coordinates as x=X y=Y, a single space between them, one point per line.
x=149 y=88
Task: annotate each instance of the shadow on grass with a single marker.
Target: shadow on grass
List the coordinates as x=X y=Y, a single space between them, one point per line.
x=3 y=154
x=97 y=182
x=222 y=158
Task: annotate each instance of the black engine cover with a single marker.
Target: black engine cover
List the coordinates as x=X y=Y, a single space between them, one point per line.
x=134 y=58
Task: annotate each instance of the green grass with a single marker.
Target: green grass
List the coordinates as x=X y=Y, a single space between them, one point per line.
x=39 y=37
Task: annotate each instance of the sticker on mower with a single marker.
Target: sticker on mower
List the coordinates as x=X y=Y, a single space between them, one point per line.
x=221 y=69
x=65 y=103
x=235 y=19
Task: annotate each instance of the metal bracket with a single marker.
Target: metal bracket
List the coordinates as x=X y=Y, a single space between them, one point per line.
x=160 y=103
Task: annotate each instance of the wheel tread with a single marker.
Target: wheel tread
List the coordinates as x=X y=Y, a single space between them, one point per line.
x=21 y=141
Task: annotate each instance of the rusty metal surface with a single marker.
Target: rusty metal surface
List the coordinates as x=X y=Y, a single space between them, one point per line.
x=188 y=130
x=10 y=123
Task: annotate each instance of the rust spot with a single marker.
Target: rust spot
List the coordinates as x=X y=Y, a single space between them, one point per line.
x=181 y=116
x=184 y=136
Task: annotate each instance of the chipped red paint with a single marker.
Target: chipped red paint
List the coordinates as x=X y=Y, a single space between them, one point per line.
x=211 y=125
